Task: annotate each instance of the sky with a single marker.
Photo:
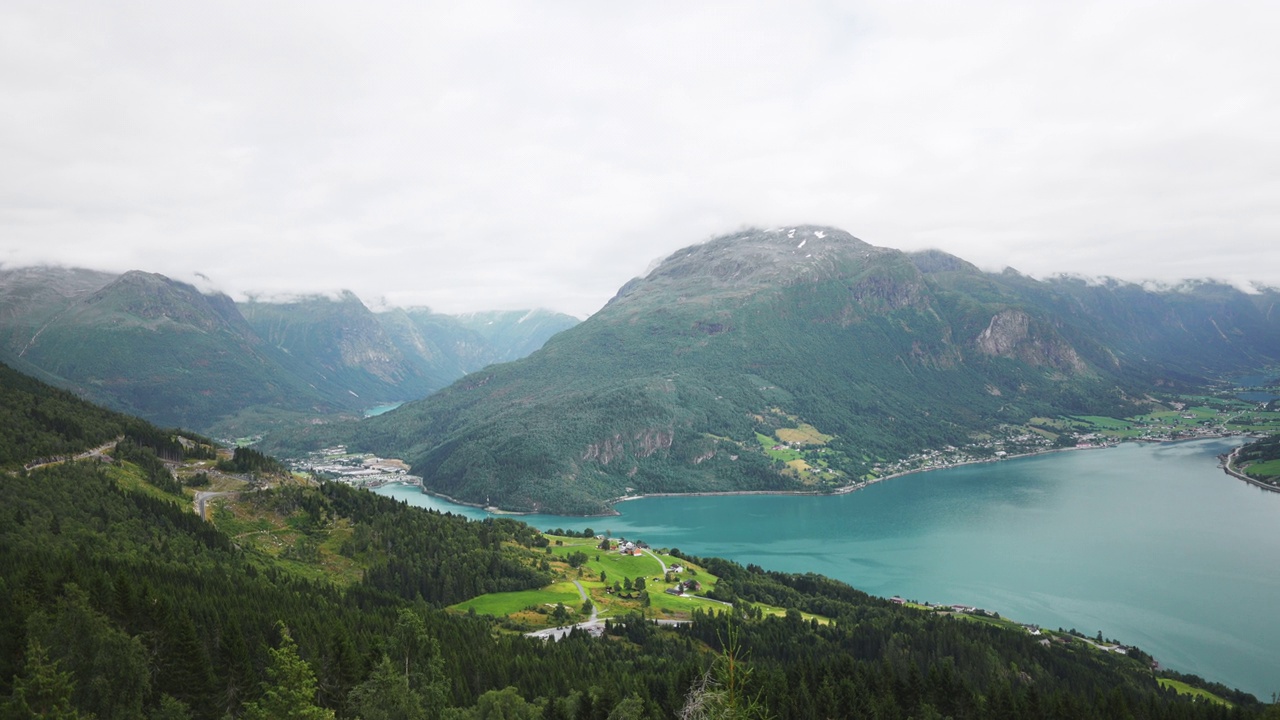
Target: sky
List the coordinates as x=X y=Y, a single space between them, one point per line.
x=508 y=155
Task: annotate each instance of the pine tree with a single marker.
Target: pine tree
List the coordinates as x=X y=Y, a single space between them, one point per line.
x=43 y=690
x=290 y=690
x=386 y=695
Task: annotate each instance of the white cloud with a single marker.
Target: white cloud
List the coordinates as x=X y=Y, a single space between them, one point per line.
x=507 y=154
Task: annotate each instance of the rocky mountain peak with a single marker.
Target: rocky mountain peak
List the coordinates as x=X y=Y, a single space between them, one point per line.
x=152 y=298
x=742 y=263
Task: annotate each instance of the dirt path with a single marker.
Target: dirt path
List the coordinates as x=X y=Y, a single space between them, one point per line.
x=81 y=456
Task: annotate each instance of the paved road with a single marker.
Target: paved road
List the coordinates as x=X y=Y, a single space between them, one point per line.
x=592 y=625
x=203 y=496
x=595 y=625
x=651 y=554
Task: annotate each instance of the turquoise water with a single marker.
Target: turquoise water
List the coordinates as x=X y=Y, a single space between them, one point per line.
x=1152 y=545
x=377 y=410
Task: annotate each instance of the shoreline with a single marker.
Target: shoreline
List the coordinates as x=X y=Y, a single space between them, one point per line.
x=1020 y=618
x=492 y=510
x=854 y=487
x=1227 y=467
x=842 y=490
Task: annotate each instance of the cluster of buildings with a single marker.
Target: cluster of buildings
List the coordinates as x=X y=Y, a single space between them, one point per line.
x=683 y=587
x=623 y=545
x=367 y=470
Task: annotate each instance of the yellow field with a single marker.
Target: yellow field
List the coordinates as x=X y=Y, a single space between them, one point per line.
x=806 y=434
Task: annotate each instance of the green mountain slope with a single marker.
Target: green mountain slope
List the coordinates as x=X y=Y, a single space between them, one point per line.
x=339 y=347
x=685 y=381
x=450 y=346
x=116 y=601
x=162 y=349
x=511 y=334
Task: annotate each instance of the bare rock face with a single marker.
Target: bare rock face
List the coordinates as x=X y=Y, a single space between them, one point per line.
x=645 y=443
x=1010 y=334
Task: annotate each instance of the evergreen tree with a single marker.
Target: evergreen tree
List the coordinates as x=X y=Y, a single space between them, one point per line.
x=170 y=709
x=112 y=678
x=184 y=668
x=386 y=695
x=43 y=690
x=290 y=689
x=420 y=654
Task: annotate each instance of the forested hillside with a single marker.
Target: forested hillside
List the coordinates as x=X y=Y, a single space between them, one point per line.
x=804 y=359
x=165 y=350
x=117 y=601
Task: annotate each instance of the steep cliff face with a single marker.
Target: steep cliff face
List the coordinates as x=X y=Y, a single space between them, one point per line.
x=1012 y=334
x=337 y=343
x=640 y=445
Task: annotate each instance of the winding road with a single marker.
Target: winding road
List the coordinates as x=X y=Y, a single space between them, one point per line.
x=651 y=554
x=203 y=496
x=592 y=625
x=81 y=456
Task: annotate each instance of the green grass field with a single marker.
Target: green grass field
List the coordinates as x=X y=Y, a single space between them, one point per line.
x=615 y=565
x=1179 y=417
x=1268 y=469
x=785 y=454
x=1184 y=689
x=615 y=568
x=500 y=604
x=131 y=478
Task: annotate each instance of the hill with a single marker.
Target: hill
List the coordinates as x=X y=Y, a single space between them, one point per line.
x=805 y=359
x=116 y=601
x=148 y=345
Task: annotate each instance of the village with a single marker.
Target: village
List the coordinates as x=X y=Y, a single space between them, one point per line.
x=1182 y=422
x=354 y=469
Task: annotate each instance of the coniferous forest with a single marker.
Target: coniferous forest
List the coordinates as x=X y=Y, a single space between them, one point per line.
x=117 y=601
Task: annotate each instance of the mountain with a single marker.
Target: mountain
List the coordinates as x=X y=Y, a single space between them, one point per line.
x=803 y=358
x=117 y=601
x=512 y=334
x=453 y=345
x=338 y=346
x=150 y=346
x=161 y=349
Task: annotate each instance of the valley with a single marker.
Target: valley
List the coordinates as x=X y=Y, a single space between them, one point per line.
x=734 y=396
x=193 y=611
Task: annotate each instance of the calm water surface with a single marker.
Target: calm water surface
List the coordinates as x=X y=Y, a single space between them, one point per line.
x=377 y=410
x=1152 y=545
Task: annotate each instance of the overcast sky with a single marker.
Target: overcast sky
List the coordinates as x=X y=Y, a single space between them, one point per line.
x=491 y=155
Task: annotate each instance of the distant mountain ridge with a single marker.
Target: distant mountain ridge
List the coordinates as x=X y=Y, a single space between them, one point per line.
x=148 y=345
x=685 y=379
